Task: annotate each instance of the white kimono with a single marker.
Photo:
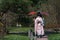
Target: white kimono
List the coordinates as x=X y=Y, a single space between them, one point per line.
x=39 y=26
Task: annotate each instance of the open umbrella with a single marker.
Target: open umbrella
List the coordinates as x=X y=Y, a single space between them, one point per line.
x=45 y=13
x=32 y=13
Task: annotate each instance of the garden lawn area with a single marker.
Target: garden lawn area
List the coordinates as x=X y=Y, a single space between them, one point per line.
x=19 y=29
x=54 y=36
x=15 y=37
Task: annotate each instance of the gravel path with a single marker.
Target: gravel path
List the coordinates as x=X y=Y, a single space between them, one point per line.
x=43 y=38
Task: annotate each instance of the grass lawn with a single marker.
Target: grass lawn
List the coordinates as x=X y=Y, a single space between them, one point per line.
x=20 y=37
x=25 y=29
x=54 y=36
x=15 y=37
x=19 y=29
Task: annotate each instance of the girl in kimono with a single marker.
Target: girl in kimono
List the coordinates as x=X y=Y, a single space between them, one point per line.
x=39 y=30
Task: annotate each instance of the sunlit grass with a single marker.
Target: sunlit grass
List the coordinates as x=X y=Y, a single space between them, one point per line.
x=19 y=29
x=15 y=37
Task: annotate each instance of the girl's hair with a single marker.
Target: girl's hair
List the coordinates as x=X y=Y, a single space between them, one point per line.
x=39 y=14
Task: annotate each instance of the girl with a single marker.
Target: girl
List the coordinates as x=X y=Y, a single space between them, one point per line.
x=39 y=25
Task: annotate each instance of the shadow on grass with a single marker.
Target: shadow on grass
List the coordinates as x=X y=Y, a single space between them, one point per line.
x=51 y=32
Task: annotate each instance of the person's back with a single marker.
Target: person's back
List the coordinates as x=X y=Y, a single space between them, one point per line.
x=39 y=25
x=39 y=20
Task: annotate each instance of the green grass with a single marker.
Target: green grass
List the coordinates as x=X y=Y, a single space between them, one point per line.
x=19 y=29
x=54 y=37
x=15 y=37
x=20 y=37
x=25 y=29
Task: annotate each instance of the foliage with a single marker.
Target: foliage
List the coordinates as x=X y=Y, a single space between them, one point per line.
x=21 y=7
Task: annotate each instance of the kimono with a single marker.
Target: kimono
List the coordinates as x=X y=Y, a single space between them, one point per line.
x=39 y=30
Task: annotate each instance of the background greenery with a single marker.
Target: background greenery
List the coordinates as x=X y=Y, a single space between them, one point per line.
x=16 y=11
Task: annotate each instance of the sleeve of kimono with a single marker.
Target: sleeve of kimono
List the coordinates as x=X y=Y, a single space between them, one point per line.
x=35 y=26
x=42 y=22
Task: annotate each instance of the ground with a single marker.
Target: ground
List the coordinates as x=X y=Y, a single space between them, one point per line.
x=42 y=38
x=15 y=37
x=54 y=36
x=24 y=37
